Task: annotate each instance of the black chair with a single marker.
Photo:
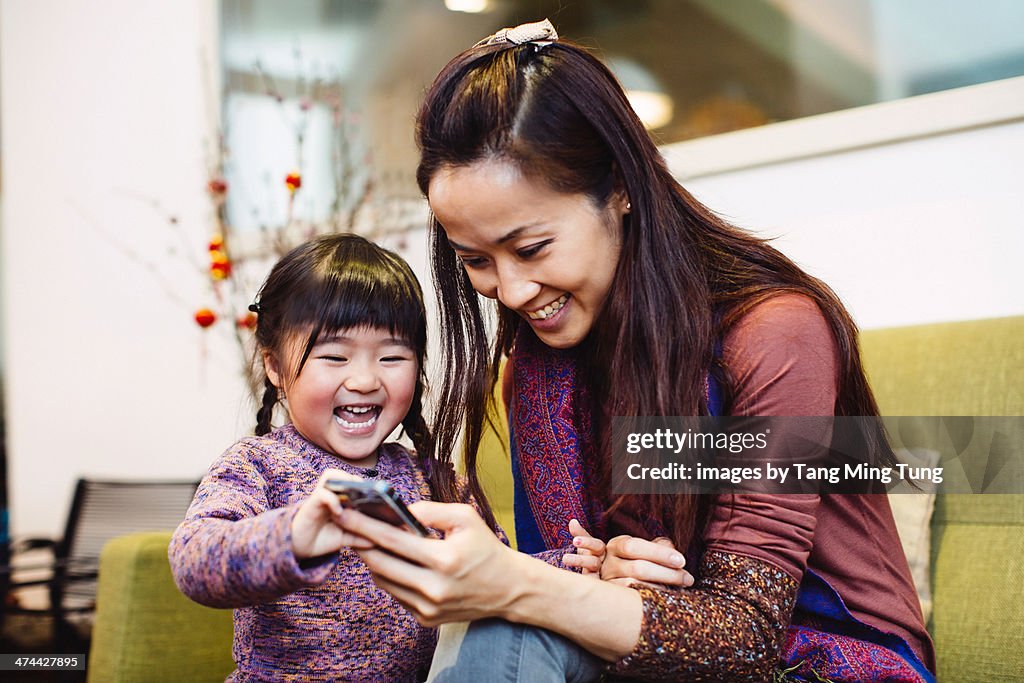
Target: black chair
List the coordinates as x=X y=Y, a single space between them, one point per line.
x=100 y=511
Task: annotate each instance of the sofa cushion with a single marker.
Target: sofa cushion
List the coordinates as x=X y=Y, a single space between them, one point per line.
x=978 y=586
x=145 y=629
x=973 y=368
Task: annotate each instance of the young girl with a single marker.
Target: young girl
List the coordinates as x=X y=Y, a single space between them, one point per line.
x=342 y=335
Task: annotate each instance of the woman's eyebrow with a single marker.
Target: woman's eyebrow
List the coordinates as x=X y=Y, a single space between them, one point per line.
x=511 y=235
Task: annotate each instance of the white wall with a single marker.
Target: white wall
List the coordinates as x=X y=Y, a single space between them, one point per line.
x=923 y=230
x=105 y=374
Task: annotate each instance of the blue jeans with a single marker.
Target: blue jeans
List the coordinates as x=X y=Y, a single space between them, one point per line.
x=498 y=651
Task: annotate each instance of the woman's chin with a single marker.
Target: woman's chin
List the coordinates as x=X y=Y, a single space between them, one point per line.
x=563 y=338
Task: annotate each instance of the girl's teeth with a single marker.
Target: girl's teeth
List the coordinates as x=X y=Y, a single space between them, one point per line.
x=359 y=416
x=353 y=425
x=549 y=310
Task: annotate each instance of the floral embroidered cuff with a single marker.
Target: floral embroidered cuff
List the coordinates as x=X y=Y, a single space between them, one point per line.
x=729 y=626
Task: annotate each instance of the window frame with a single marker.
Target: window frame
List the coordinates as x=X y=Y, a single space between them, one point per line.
x=872 y=125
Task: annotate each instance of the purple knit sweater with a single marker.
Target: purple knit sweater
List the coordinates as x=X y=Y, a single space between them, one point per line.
x=326 y=622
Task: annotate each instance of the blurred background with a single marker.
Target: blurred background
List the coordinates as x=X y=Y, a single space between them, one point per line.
x=156 y=157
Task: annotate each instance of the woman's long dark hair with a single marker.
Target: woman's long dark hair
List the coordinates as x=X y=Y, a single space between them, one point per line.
x=338 y=282
x=559 y=116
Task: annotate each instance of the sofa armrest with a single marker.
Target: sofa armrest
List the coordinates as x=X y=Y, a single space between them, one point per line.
x=145 y=629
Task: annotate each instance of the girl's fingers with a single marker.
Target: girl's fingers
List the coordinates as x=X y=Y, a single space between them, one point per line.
x=329 y=503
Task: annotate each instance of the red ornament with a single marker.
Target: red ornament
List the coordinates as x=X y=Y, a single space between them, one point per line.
x=217 y=243
x=205 y=317
x=217 y=186
x=294 y=181
x=220 y=270
x=247 y=321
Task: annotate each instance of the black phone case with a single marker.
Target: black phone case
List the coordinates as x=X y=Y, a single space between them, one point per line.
x=375 y=499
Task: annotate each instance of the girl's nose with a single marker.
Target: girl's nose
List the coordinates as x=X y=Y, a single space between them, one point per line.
x=361 y=378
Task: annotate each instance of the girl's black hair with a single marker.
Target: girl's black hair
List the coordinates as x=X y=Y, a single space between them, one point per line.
x=338 y=282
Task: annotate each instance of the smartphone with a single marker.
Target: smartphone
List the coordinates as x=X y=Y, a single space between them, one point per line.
x=375 y=499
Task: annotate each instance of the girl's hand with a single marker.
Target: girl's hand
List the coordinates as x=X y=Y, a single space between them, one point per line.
x=590 y=551
x=316 y=527
x=467 y=575
x=631 y=560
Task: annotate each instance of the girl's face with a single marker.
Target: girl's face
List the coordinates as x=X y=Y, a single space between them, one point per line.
x=355 y=388
x=548 y=256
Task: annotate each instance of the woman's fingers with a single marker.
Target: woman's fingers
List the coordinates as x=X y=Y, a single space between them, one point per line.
x=633 y=548
x=394 y=569
x=589 y=544
x=648 y=572
x=446 y=516
x=629 y=557
x=588 y=563
x=418 y=599
x=589 y=550
x=460 y=577
x=576 y=529
x=394 y=539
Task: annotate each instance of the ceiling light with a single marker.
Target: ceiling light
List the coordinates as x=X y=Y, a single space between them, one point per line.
x=645 y=94
x=654 y=108
x=472 y=6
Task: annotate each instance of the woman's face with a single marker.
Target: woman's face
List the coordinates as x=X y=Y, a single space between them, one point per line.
x=548 y=256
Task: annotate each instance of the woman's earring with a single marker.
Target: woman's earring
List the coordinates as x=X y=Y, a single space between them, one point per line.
x=629 y=206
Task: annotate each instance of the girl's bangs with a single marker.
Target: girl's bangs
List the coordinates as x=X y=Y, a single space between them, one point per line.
x=388 y=303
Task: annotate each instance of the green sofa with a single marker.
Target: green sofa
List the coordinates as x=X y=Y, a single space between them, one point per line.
x=977 y=541
x=147 y=631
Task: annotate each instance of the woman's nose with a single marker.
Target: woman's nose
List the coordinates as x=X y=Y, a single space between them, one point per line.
x=515 y=288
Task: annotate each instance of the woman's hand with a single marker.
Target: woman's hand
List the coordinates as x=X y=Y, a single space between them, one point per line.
x=590 y=551
x=316 y=527
x=629 y=560
x=469 y=574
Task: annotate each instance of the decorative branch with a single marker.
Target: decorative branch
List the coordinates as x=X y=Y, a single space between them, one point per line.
x=236 y=263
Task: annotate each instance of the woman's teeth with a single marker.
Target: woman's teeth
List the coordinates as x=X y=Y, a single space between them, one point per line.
x=549 y=310
x=354 y=413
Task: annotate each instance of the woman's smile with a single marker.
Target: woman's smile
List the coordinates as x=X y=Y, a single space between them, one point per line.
x=549 y=311
x=549 y=256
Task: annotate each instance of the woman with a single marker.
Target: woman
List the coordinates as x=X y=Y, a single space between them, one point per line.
x=619 y=294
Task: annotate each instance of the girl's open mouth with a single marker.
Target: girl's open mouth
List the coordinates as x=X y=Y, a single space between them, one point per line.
x=357 y=416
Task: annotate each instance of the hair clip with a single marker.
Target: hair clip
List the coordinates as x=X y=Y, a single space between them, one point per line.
x=255 y=308
x=539 y=32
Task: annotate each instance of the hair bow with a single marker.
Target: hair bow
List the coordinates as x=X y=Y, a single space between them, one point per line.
x=539 y=32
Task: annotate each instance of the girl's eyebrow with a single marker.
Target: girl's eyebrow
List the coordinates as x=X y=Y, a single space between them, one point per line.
x=342 y=339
